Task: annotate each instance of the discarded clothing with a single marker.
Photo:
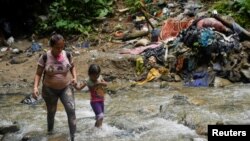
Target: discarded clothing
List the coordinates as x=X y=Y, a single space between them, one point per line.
x=31 y=101
x=152 y=74
x=139 y=66
x=217 y=66
x=201 y=79
x=206 y=37
x=179 y=63
x=158 y=53
x=139 y=50
x=226 y=44
x=189 y=36
x=211 y=22
x=237 y=28
x=155 y=35
x=35 y=47
x=214 y=41
x=172 y=27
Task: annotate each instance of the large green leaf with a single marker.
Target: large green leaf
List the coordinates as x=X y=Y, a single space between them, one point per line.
x=100 y=2
x=103 y=12
x=61 y=23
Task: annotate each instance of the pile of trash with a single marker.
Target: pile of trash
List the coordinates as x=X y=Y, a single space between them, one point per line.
x=195 y=49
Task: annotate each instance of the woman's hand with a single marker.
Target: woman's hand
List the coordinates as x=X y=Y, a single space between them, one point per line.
x=35 y=93
x=73 y=81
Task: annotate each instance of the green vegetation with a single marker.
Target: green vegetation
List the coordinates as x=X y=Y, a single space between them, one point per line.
x=239 y=10
x=78 y=16
x=134 y=5
x=74 y=16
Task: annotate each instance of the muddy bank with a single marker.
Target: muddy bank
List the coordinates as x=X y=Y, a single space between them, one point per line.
x=18 y=78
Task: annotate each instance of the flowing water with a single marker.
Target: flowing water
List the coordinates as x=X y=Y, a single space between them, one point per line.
x=141 y=113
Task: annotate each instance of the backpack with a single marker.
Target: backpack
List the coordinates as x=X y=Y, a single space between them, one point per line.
x=45 y=59
x=67 y=54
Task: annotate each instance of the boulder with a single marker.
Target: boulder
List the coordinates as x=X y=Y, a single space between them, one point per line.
x=9 y=129
x=221 y=82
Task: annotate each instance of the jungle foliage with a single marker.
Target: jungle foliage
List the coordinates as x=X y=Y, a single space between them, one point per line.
x=74 y=16
x=238 y=9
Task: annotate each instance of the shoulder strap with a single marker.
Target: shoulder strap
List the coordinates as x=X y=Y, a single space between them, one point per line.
x=45 y=57
x=68 y=54
x=44 y=60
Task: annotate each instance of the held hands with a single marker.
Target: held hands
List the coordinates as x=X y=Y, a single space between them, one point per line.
x=78 y=86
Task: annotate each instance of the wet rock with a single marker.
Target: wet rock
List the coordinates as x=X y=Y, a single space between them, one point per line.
x=199 y=139
x=111 y=91
x=4 y=49
x=76 y=53
x=10 y=137
x=24 y=80
x=201 y=129
x=9 y=129
x=15 y=60
x=246 y=44
x=167 y=77
x=246 y=73
x=198 y=102
x=142 y=42
x=6 y=85
x=109 y=78
x=29 y=54
x=171 y=5
x=180 y=100
x=59 y=137
x=150 y=85
x=219 y=123
x=164 y=84
x=16 y=51
x=33 y=135
x=161 y=108
x=177 y=78
x=131 y=126
x=220 y=82
x=38 y=136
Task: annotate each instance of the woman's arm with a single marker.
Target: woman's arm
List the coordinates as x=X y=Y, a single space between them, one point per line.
x=38 y=75
x=79 y=87
x=73 y=73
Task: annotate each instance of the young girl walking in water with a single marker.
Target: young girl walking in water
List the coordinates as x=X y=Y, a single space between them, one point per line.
x=95 y=83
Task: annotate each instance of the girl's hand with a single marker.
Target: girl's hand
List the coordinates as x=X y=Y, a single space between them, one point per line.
x=103 y=84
